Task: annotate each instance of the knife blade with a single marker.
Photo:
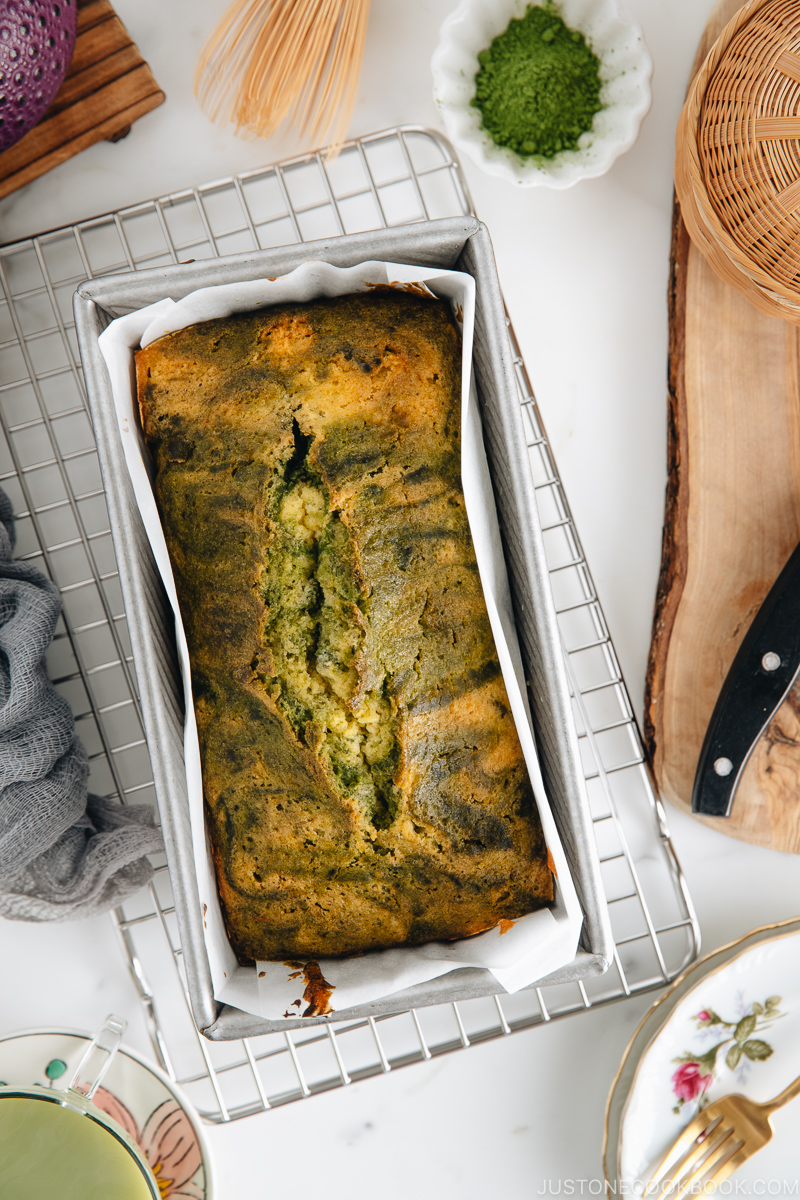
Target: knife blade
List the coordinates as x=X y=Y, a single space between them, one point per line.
x=760 y=677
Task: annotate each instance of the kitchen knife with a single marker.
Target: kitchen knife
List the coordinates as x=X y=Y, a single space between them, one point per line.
x=759 y=679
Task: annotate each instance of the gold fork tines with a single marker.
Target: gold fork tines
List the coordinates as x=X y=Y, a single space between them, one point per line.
x=716 y=1143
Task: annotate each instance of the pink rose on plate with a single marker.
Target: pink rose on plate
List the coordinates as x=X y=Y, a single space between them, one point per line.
x=688 y=1083
x=704 y=1015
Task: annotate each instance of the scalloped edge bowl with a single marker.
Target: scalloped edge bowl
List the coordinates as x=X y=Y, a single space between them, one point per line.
x=625 y=71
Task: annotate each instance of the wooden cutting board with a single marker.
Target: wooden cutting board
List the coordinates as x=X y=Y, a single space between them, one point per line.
x=732 y=519
x=108 y=86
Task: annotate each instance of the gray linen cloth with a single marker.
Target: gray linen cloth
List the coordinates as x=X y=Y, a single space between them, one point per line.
x=63 y=853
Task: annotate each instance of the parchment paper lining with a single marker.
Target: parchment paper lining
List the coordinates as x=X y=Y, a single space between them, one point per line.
x=536 y=944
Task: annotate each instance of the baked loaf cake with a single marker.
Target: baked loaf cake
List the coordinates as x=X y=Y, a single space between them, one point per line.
x=364 y=782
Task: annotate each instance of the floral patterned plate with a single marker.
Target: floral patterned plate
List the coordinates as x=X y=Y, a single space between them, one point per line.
x=140 y=1097
x=730 y=1023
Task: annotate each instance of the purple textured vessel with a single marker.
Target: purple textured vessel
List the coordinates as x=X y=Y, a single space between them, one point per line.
x=37 y=38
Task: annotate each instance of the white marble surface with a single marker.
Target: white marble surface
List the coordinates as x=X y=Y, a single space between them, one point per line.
x=585 y=276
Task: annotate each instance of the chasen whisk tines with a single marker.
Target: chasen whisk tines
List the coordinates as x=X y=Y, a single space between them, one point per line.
x=270 y=61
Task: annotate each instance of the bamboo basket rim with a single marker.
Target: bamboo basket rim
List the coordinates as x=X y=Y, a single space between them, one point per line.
x=721 y=250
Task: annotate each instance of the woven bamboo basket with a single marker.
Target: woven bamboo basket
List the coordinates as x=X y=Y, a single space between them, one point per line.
x=737 y=167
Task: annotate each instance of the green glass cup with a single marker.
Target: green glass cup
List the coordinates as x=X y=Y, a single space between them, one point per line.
x=58 y=1144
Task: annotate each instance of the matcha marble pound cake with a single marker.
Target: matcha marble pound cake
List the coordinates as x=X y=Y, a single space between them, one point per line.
x=364 y=782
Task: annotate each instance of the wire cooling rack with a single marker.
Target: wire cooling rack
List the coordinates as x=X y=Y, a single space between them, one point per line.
x=49 y=467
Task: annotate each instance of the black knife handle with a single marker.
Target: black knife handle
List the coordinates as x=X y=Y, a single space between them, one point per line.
x=758 y=681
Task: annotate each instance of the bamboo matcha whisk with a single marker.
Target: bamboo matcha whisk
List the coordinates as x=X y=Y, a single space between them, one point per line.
x=269 y=61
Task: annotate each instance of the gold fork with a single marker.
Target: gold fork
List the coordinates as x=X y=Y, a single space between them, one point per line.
x=717 y=1142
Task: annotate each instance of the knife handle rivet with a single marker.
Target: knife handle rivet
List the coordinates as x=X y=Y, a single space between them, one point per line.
x=771 y=661
x=723 y=766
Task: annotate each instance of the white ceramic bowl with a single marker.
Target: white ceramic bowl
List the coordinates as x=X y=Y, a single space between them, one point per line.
x=625 y=70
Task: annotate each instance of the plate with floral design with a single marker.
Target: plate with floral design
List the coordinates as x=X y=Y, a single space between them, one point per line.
x=140 y=1097
x=731 y=1023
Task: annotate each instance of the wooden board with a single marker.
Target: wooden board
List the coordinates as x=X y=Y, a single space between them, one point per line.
x=732 y=519
x=108 y=86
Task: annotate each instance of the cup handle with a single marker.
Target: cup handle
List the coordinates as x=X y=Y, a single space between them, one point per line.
x=91 y=1069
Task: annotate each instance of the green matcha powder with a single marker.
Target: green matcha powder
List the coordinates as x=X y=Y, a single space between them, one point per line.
x=538 y=86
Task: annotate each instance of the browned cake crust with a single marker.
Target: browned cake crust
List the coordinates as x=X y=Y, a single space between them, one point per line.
x=363 y=778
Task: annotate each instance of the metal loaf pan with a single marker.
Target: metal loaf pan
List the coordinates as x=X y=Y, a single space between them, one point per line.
x=463 y=244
